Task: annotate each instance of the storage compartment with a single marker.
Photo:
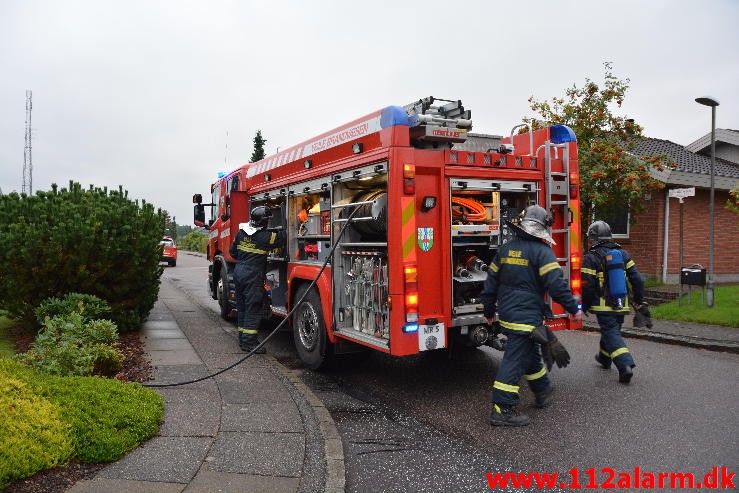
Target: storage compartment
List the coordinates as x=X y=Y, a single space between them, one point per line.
x=309 y=223
x=479 y=209
x=363 y=298
x=276 y=278
x=360 y=272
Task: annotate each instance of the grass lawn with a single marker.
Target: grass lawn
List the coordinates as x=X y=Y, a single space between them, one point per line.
x=725 y=309
x=6 y=346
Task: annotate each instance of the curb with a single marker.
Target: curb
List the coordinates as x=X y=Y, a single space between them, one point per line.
x=333 y=447
x=679 y=340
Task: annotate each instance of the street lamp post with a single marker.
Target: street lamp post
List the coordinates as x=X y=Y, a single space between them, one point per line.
x=712 y=102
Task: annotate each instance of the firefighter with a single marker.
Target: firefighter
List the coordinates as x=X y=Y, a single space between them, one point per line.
x=608 y=309
x=250 y=248
x=521 y=272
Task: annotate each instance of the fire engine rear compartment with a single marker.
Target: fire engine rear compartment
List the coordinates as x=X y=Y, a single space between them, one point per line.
x=479 y=211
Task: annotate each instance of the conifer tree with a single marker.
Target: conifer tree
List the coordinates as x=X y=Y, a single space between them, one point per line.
x=258 y=153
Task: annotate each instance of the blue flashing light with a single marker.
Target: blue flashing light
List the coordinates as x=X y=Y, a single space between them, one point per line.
x=221 y=174
x=579 y=307
x=395 y=115
x=410 y=328
x=561 y=134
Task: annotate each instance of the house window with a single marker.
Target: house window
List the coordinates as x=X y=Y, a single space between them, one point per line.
x=617 y=217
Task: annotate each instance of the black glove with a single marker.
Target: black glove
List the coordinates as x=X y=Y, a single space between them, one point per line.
x=540 y=335
x=643 y=317
x=559 y=353
x=493 y=340
x=546 y=355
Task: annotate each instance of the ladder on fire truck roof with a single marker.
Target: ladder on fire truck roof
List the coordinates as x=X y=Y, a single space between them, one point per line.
x=558 y=202
x=447 y=123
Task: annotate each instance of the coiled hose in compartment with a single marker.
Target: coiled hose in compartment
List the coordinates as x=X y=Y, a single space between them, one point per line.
x=477 y=211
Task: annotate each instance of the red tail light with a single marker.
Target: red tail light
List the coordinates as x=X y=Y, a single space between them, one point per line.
x=411 y=293
x=409 y=179
x=575 y=279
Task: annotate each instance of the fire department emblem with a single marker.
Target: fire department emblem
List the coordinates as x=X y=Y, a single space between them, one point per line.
x=425 y=238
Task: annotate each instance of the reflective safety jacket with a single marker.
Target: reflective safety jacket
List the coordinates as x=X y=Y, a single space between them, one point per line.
x=251 y=251
x=593 y=279
x=521 y=272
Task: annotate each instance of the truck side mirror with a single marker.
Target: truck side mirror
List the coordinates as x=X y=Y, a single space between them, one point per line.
x=199 y=215
x=197 y=198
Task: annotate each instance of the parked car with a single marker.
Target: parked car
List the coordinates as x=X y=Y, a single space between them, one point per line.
x=169 y=251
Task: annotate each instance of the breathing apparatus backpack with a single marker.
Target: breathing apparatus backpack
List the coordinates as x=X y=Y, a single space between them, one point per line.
x=615 y=289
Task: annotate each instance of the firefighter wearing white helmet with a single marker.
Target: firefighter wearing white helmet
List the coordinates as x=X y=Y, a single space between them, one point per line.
x=250 y=248
x=606 y=267
x=523 y=270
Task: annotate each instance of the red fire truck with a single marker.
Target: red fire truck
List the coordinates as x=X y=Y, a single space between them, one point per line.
x=427 y=202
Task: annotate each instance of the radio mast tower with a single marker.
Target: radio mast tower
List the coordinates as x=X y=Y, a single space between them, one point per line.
x=27 y=160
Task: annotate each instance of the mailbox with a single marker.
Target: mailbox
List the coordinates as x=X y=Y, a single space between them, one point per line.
x=694 y=276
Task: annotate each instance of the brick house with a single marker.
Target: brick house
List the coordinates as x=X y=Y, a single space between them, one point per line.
x=654 y=239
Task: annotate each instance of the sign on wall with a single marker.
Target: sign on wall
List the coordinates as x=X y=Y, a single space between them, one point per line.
x=680 y=193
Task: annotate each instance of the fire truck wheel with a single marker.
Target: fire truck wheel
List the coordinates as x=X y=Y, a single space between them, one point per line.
x=222 y=294
x=309 y=331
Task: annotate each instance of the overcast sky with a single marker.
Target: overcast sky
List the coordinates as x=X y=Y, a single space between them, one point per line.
x=159 y=96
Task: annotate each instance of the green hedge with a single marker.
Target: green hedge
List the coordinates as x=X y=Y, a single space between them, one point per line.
x=46 y=420
x=95 y=241
x=194 y=242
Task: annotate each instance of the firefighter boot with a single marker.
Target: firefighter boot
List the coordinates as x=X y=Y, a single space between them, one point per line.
x=503 y=415
x=247 y=342
x=544 y=398
x=624 y=376
x=604 y=362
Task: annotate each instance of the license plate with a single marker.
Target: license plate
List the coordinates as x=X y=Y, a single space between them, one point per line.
x=431 y=337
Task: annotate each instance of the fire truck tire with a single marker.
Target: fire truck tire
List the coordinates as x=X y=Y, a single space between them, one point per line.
x=222 y=293
x=309 y=331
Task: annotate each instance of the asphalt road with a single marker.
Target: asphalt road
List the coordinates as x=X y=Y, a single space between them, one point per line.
x=421 y=423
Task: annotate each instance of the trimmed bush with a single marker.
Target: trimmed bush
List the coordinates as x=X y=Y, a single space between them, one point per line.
x=69 y=345
x=101 y=418
x=32 y=435
x=89 y=306
x=71 y=240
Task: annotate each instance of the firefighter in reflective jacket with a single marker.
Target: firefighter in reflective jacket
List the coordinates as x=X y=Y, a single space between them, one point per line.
x=610 y=309
x=250 y=248
x=520 y=274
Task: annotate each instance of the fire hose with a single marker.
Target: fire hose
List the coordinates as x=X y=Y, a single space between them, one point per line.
x=279 y=326
x=477 y=210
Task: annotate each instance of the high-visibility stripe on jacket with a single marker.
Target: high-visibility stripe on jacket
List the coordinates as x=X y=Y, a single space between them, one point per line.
x=521 y=272
x=250 y=251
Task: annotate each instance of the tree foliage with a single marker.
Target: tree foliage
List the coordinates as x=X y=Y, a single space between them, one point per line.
x=195 y=241
x=170 y=226
x=73 y=240
x=733 y=203
x=258 y=153
x=610 y=175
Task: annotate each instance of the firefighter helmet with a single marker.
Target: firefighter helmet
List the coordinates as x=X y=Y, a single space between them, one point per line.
x=599 y=231
x=259 y=218
x=536 y=221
